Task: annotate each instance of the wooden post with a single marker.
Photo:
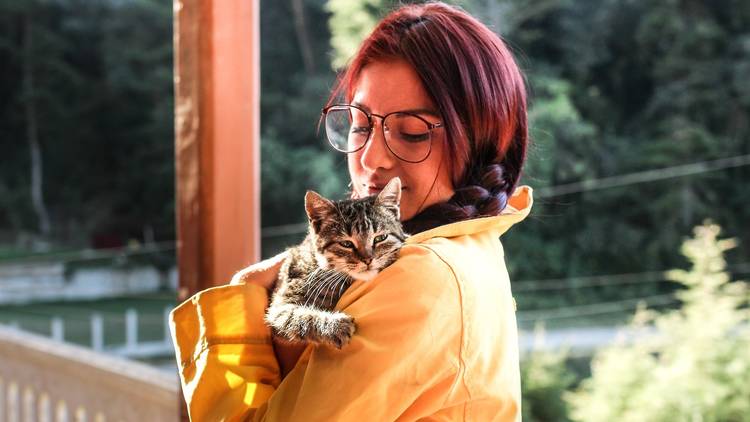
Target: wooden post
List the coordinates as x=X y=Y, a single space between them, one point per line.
x=217 y=141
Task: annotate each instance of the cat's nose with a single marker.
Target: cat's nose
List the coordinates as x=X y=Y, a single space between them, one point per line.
x=367 y=260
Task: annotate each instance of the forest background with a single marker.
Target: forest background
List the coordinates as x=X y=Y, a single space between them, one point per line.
x=623 y=95
x=640 y=123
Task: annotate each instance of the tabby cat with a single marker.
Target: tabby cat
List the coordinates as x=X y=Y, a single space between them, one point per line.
x=347 y=240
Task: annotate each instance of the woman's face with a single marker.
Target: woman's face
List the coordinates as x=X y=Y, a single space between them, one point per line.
x=384 y=87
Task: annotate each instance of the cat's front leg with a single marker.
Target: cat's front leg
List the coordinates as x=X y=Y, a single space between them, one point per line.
x=297 y=323
x=338 y=329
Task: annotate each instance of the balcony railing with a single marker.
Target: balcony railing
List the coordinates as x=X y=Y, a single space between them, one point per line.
x=44 y=380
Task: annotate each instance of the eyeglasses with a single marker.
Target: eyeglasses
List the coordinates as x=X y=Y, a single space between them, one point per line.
x=407 y=135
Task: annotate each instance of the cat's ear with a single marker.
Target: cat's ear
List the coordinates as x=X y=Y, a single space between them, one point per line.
x=317 y=207
x=390 y=196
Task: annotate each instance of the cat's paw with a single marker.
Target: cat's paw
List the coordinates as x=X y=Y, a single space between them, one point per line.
x=339 y=330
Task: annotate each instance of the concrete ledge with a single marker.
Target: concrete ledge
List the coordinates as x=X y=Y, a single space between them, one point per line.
x=80 y=378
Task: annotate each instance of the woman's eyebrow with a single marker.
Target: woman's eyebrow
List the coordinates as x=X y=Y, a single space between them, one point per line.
x=410 y=110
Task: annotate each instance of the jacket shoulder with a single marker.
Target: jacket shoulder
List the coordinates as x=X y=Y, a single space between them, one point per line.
x=419 y=278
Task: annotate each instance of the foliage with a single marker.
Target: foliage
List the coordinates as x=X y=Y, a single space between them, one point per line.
x=103 y=97
x=696 y=367
x=350 y=23
x=297 y=170
x=544 y=380
x=614 y=88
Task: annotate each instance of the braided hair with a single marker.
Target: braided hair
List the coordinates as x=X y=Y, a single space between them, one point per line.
x=473 y=79
x=484 y=192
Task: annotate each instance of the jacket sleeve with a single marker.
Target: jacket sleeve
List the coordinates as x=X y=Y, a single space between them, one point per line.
x=403 y=361
x=224 y=353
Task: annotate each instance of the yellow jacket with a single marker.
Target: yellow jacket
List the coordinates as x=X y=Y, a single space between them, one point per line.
x=436 y=340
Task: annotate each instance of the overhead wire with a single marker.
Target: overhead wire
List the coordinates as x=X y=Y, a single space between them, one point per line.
x=607 y=279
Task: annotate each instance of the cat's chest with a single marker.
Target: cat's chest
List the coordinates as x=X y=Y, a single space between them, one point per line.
x=319 y=288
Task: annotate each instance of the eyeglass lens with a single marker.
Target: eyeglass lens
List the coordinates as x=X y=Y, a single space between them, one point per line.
x=406 y=135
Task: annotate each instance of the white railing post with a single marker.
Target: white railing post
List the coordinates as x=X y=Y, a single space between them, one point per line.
x=61 y=411
x=58 y=329
x=167 y=333
x=2 y=398
x=131 y=329
x=97 y=332
x=80 y=414
x=28 y=405
x=13 y=405
x=45 y=413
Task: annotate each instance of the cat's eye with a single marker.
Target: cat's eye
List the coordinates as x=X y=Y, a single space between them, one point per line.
x=380 y=238
x=347 y=244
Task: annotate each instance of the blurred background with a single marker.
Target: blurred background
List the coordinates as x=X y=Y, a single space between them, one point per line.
x=627 y=273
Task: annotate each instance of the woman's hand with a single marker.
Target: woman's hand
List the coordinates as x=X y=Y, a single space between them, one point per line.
x=265 y=273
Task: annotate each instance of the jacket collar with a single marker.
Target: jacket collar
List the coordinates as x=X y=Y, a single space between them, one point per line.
x=519 y=206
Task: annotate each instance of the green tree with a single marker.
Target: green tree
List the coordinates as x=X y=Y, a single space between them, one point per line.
x=97 y=98
x=544 y=380
x=35 y=60
x=696 y=366
x=350 y=22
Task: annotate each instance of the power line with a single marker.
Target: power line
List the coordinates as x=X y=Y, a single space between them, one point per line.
x=606 y=280
x=585 y=185
x=644 y=176
x=589 y=281
x=543 y=192
x=595 y=308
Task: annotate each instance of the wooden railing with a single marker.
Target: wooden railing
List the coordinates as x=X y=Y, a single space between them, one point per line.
x=48 y=381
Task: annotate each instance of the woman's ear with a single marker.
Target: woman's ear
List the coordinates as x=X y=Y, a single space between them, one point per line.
x=390 y=196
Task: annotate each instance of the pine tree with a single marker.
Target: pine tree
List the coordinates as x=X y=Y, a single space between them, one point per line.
x=696 y=366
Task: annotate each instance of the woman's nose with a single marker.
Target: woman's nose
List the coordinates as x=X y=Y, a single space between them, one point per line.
x=376 y=154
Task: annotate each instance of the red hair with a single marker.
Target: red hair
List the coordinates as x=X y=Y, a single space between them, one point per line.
x=478 y=89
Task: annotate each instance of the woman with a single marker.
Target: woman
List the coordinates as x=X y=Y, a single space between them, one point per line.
x=436 y=333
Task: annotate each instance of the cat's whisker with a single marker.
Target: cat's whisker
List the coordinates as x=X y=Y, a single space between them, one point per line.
x=332 y=287
x=314 y=291
x=314 y=282
x=341 y=289
x=310 y=282
x=325 y=281
x=327 y=287
x=342 y=282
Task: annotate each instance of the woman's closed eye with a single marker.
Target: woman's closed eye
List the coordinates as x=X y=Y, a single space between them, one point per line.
x=414 y=138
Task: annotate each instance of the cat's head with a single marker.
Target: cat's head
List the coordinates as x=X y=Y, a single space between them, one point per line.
x=359 y=237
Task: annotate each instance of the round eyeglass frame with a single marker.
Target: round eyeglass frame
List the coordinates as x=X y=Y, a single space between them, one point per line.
x=430 y=127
